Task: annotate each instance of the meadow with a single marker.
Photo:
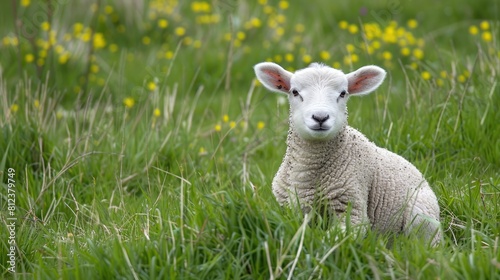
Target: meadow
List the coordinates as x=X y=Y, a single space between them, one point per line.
x=137 y=144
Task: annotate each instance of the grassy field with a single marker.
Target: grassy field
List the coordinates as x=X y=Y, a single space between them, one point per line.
x=136 y=144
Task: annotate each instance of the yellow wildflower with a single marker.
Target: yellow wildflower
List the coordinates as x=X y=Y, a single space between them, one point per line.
x=129 y=102
x=29 y=58
x=484 y=25
x=325 y=55
x=232 y=124
x=180 y=31
x=418 y=53
x=486 y=36
x=387 y=55
x=425 y=75
x=14 y=108
x=146 y=40
x=306 y=58
x=353 y=29
x=151 y=86
x=260 y=125
x=25 y=3
x=45 y=26
x=343 y=24
x=284 y=5
x=225 y=118
x=162 y=23
x=473 y=30
x=218 y=127
x=412 y=23
x=99 y=41
x=157 y=113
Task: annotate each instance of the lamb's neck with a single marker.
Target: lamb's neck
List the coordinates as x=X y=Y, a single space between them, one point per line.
x=314 y=152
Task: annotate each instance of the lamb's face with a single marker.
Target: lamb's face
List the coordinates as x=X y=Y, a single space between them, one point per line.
x=318 y=95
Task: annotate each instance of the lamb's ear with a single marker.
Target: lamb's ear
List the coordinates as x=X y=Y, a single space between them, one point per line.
x=273 y=77
x=365 y=80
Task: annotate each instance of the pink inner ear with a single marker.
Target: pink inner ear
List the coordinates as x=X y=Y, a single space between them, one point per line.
x=277 y=80
x=360 y=83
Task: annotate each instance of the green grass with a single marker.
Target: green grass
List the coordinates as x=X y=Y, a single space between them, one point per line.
x=177 y=184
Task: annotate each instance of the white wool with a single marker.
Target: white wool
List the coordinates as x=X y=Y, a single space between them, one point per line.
x=331 y=163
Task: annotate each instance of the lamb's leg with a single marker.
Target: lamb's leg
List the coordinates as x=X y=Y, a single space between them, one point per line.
x=423 y=216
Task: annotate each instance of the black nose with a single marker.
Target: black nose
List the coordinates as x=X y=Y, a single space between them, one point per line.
x=320 y=118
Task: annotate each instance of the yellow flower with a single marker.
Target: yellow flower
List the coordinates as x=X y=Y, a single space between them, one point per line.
x=14 y=108
x=232 y=124
x=146 y=40
x=218 y=127
x=45 y=26
x=180 y=31
x=353 y=29
x=405 y=51
x=25 y=3
x=484 y=25
x=99 y=41
x=63 y=58
x=278 y=58
x=462 y=78
x=108 y=9
x=157 y=113
x=202 y=151
x=306 y=58
x=225 y=118
x=256 y=22
x=486 y=36
x=280 y=31
x=473 y=30
x=443 y=74
x=387 y=55
x=77 y=29
x=36 y=103
x=325 y=55
x=289 y=57
x=418 y=53
x=94 y=68
x=162 y=23
x=151 y=86
x=343 y=24
x=260 y=125
x=299 y=28
x=350 y=48
x=425 y=75
x=129 y=102
x=412 y=23
x=29 y=58
x=240 y=35
x=113 y=48
x=169 y=54
x=439 y=82
x=284 y=5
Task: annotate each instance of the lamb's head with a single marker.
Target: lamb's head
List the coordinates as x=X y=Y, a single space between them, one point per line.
x=318 y=94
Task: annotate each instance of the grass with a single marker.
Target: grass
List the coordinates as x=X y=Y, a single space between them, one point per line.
x=146 y=151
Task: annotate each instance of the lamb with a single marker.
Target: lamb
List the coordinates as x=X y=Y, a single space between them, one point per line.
x=331 y=163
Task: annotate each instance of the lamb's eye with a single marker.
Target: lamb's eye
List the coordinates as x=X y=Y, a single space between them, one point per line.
x=295 y=92
x=343 y=93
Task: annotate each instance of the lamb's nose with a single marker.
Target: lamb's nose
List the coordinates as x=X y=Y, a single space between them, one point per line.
x=320 y=118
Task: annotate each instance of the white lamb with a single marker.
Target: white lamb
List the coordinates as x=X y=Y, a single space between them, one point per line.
x=329 y=162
